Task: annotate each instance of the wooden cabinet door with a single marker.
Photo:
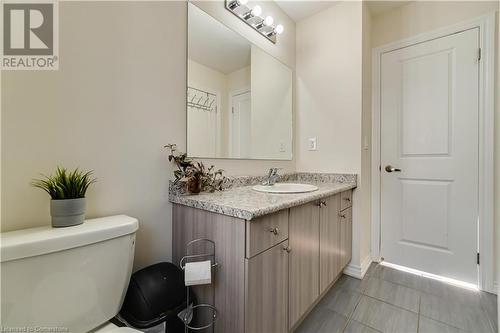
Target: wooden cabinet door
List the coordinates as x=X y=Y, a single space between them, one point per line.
x=345 y=236
x=329 y=241
x=304 y=259
x=266 y=291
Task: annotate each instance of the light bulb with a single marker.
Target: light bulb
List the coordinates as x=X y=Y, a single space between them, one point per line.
x=256 y=11
x=242 y=2
x=268 y=20
x=279 y=29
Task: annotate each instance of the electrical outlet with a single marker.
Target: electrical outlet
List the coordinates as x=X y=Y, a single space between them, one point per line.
x=312 y=143
x=282 y=147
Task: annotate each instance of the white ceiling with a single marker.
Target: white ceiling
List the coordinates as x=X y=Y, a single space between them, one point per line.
x=300 y=9
x=212 y=44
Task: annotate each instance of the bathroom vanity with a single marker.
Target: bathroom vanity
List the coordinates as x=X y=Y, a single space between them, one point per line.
x=278 y=254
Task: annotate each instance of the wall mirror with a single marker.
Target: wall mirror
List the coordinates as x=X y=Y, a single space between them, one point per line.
x=239 y=98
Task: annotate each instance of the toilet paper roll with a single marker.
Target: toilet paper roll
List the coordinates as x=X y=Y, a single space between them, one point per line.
x=196 y=273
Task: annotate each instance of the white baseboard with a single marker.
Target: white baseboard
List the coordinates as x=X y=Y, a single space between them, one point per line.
x=356 y=271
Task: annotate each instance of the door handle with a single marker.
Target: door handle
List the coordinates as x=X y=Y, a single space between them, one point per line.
x=390 y=168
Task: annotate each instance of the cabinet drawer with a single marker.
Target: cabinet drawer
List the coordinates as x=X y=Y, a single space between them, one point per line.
x=265 y=232
x=345 y=199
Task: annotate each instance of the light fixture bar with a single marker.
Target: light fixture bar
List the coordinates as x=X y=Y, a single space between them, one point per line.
x=252 y=17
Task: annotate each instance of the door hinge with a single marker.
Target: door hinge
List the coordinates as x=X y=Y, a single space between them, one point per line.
x=478 y=258
x=379 y=168
x=232 y=110
x=479 y=55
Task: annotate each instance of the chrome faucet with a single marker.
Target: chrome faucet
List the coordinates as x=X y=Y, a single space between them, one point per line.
x=272 y=177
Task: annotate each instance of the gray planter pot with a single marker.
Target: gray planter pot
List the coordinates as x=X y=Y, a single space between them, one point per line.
x=67 y=213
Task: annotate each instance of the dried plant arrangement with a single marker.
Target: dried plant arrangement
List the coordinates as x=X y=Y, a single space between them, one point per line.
x=194 y=174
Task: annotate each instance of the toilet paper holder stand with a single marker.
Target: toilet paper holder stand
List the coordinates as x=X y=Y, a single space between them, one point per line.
x=187 y=314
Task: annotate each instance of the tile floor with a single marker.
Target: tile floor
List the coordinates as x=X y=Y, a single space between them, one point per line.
x=387 y=300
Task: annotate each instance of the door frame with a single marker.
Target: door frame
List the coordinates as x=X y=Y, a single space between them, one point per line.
x=486 y=25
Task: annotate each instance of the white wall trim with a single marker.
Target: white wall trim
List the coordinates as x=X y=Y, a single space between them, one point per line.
x=486 y=25
x=356 y=271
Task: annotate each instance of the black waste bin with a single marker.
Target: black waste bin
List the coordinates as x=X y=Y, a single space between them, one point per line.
x=155 y=294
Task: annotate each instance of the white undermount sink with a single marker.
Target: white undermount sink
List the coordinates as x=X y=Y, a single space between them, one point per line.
x=285 y=188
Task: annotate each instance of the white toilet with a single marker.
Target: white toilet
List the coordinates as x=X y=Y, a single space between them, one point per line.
x=71 y=279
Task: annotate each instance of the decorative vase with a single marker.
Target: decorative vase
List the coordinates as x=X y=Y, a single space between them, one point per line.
x=194 y=185
x=67 y=212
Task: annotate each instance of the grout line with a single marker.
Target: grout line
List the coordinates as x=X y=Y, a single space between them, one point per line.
x=445 y=323
x=349 y=319
x=395 y=306
x=423 y=292
x=363 y=323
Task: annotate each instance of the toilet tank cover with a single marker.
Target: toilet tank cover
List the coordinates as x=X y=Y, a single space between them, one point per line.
x=31 y=242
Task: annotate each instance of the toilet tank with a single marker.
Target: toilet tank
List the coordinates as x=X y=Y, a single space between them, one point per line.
x=67 y=279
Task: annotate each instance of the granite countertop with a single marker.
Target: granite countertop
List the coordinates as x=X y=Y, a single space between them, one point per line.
x=245 y=203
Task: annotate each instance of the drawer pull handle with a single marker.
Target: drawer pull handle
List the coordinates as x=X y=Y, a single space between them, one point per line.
x=342 y=215
x=322 y=203
x=347 y=199
x=274 y=231
x=288 y=249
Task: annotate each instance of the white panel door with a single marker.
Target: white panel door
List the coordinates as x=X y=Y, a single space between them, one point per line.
x=241 y=133
x=429 y=130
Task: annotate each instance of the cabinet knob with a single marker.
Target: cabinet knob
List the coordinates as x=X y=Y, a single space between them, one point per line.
x=342 y=215
x=288 y=249
x=347 y=199
x=274 y=231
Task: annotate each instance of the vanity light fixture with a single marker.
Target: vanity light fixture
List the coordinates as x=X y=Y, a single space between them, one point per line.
x=252 y=17
x=256 y=11
x=268 y=21
x=234 y=4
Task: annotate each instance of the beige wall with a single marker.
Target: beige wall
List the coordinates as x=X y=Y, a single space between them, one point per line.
x=117 y=98
x=329 y=103
x=419 y=17
x=366 y=128
x=271 y=119
x=497 y=162
x=497 y=159
x=329 y=89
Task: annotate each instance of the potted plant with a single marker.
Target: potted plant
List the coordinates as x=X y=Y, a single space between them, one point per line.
x=67 y=190
x=194 y=174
